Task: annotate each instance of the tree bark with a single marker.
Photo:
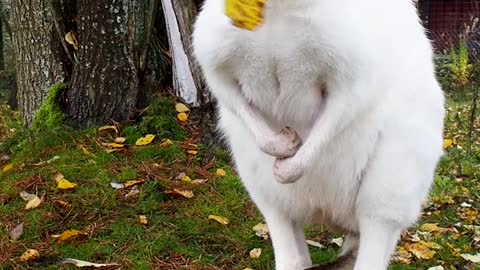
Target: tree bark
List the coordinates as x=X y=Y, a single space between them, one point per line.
x=105 y=83
x=179 y=17
x=35 y=47
x=2 y=53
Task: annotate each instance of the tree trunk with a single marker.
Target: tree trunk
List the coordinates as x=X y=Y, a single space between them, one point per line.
x=2 y=53
x=179 y=17
x=105 y=83
x=35 y=47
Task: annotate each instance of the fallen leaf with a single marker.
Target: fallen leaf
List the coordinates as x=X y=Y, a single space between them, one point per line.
x=69 y=235
x=255 y=253
x=7 y=168
x=143 y=219
x=185 y=193
x=314 y=244
x=85 y=151
x=221 y=172
x=30 y=255
x=181 y=108
x=133 y=192
x=34 y=203
x=471 y=258
x=63 y=204
x=120 y=139
x=436 y=268
x=403 y=256
x=192 y=152
x=64 y=184
x=16 y=232
x=430 y=227
x=183 y=117
x=338 y=241
x=447 y=143
x=469 y=215
x=199 y=181
x=99 y=266
x=145 y=140
x=108 y=128
x=113 y=145
x=71 y=38
x=261 y=230
x=420 y=250
x=116 y=185
x=27 y=196
x=133 y=183
x=186 y=179
x=219 y=219
x=166 y=143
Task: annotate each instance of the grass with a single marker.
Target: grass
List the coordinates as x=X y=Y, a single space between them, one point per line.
x=178 y=234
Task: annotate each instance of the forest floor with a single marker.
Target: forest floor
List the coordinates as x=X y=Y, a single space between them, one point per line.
x=151 y=206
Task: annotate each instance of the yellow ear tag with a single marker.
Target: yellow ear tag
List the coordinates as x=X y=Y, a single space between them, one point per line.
x=246 y=14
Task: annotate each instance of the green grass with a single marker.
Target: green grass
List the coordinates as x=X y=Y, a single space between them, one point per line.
x=178 y=232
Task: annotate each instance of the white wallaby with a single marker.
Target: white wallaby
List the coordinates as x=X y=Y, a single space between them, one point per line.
x=334 y=116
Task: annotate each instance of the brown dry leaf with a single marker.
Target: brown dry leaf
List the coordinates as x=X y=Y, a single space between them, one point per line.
x=16 y=232
x=421 y=250
x=90 y=265
x=183 y=117
x=219 y=219
x=27 y=196
x=69 y=235
x=7 y=168
x=133 y=183
x=143 y=219
x=403 y=256
x=469 y=215
x=30 y=255
x=255 y=253
x=166 y=143
x=221 y=172
x=199 y=181
x=185 y=193
x=148 y=139
x=181 y=108
x=63 y=204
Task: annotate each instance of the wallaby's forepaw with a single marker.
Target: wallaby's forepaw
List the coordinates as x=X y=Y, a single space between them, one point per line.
x=283 y=145
x=287 y=171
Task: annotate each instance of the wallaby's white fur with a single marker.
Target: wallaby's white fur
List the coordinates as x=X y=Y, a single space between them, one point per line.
x=355 y=79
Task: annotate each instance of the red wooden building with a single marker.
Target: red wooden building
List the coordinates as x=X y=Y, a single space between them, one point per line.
x=449 y=21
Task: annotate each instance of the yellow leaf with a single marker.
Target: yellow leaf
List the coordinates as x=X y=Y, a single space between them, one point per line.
x=145 y=140
x=70 y=235
x=183 y=117
x=166 y=143
x=429 y=227
x=143 y=219
x=192 y=152
x=34 y=203
x=219 y=219
x=245 y=14
x=108 y=127
x=447 y=143
x=71 y=38
x=181 y=108
x=421 y=250
x=64 y=184
x=403 y=256
x=113 y=145
x=90 y=265
x=85 y=151
x=30 y=255
x=133 y=183
x=186 y=179
x=255 y=253
x=120 y=139
x=261 y=230
x=185 y=193
x=7 y=168
x=221 y=172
